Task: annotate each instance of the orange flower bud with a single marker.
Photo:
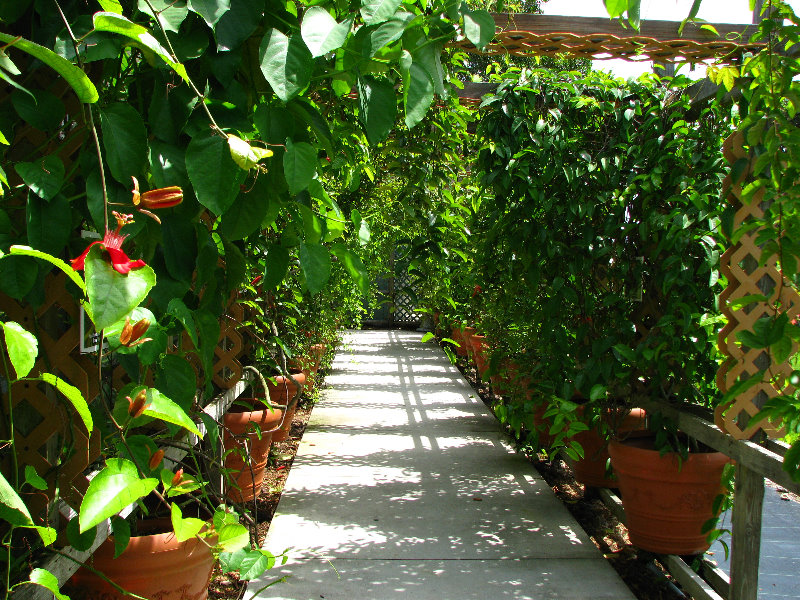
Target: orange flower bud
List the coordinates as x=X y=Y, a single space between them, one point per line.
x=130 y=334
x=159 y=198
x=178 y=478
x=138 y=405
x=125 y=334
x=156 y=459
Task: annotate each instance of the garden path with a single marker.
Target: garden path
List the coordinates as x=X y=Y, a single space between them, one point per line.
x=404 y=485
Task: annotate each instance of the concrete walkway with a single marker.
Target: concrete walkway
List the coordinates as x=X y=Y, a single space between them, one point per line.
x=404 y=482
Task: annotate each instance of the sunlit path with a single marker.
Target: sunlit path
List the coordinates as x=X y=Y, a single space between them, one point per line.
x=405 y=483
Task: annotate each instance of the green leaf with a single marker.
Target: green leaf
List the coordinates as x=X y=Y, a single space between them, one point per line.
x=286 y=63
x=73 y=394
x=22 y=348
x=18 y=275
x=210 y=10
x=598 y=391
x=237 y=25
x=177 y=380
x=124 y=141
x=377 y=107
x=388 y=32
x=428 y=337
x=12 y=508
x=111 y=294
x=746 y=300
x=111 y=6
x=180 y=311
x=48 y=581
x=214 y=175
x=184 y=528
x=80 y=540
x=121 y=530
x=67 y=269
x=245 y=155
x=33 y=479
x=48 y=534
x=247 y=212
x=615 y=8
x=111 y=490
x=232 y=536
x=354 y=266
x=304 y=109
x=161 y=407
x=417 y=94
x=114 y=23
x=44 y=177
x=321 y=32
x=40 y=108
x=479 y=27
x=49 y=224
x=76 y=78
x=781 y=349
x=276 y=266
x=378 y=11
x=299 y=165
x=315 y=260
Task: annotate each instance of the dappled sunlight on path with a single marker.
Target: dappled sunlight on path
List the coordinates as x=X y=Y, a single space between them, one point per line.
x=407 y=485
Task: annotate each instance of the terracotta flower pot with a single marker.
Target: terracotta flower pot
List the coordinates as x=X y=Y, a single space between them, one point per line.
x=466 y=335
x=282 y=392
x=239 y=422
x=480 y=352
x=666 y=499
x=152 y=566
x=457 y=335
x=591 y=469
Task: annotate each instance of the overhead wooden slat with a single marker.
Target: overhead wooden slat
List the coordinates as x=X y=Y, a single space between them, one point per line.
x=600 y=38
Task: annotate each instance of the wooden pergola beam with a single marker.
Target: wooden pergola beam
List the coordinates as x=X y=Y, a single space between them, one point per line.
x=663 y=31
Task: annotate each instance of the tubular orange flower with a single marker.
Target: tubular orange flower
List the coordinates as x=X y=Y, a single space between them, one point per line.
x=130 y=334
x=112 y=243
x=159 y=198
x=176 y=480
x=138 y=405
x=156 y=459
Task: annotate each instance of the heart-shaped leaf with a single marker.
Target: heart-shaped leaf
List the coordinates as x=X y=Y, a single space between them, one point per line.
x=44 y=177
x=111 y=490
x=286 y=63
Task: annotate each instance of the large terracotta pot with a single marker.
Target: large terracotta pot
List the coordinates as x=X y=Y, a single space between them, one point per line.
x=466 y=335
x=591 y=469
x=457 y=335
x=152 y=566
x=282 y=392
x=666 y=499
x=480 y=352
x=240 y=421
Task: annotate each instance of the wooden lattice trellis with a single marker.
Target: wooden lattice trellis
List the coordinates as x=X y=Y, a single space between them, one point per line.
x=597 y=39
x=741 y=266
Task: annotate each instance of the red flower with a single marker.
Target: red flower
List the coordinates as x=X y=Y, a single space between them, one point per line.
x=112 y=243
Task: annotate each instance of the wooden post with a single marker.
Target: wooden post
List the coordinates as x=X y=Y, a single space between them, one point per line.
x=748 y=501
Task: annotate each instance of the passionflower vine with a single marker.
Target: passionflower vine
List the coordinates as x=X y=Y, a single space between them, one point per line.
x=112 y=243
x=159 y=198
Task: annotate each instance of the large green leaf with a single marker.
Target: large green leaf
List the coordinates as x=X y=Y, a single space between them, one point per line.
x=68 y=270
x=247 y=212
x=238 y=24
x=48 y=581
x=17 y=275
x=40 y=108
x=22 y=348
x=286 y=63
x=417 y=95
x=185 y=528
x=12 y=508
x=177 y=380
x=170 y=13
x=232 y=536
x=214 y=175
x=180 y=311
x=299 y=165
x=73 y=394
x=49 y=223
x=276 y=267
x=44 y=177
x=111 y=294
x=354 y=266
x=390 y=31
x=315 y=260
x=321 y=32
x=479 y=27
x=111 y=490
x=304 y=109
x=76 y=78
x=378 y=11
x=124 y=141
x=208 y=328
x=161 y=407
x=179 y=243
x=377 y=107
x=210 y=10
x=249 y=562
x=114 y=23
